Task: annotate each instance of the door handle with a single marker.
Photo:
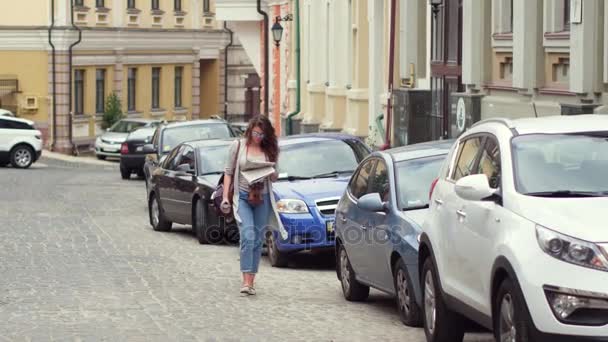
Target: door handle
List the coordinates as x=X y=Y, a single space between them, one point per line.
x=461 y=213
x=438 y=201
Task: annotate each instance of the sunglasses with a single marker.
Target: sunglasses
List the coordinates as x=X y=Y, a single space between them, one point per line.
x=258 y=135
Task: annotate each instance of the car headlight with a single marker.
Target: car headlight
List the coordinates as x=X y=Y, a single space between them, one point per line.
x=571 y=250
x=292 y=206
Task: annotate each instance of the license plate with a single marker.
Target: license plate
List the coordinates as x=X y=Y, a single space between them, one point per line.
x=139 y=148
x=330 y=226
x=110 y=150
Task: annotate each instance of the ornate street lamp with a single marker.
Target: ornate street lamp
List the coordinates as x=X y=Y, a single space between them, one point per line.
x=277 y=28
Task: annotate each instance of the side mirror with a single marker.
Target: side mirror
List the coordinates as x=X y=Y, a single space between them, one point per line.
x=185 y=169
x=149 y=149
x=372 y=203
x=474 y=188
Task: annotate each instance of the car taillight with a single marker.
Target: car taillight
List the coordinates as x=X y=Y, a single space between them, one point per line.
x=124 y=148
x=433 y=188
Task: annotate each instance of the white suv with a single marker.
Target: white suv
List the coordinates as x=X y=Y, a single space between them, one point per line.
x=20 y=142
x=516 y=238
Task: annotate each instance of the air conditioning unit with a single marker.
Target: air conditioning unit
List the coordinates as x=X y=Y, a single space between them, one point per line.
x=30 y=103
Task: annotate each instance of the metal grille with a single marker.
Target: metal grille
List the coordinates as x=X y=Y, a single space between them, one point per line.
x=8 y=86
x=327 y=206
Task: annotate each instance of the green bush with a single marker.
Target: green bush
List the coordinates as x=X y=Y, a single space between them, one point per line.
x=113 y=111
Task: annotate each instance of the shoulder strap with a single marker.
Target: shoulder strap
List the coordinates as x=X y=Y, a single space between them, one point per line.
x=236 y=157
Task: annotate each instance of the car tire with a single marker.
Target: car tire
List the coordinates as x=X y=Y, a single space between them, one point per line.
x=440 y=323
x=276 y=257
x=22 y=156
x=199 y=222
x=512 y=321
x=157 y=217
x=125 y=173
x=101 y=157
x=409 y=311
x=352 y=289
x=140 y=174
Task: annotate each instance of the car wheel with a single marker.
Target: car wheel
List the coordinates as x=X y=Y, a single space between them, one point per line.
x=353 y=290
x=157 y=217
x=512 y=322
x=125 y=173
x=22 y=156
x=276 y=257
x=440 y=324
x=101 y=157
x=406 y=300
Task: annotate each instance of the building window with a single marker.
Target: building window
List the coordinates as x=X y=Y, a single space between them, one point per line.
x=100 y=3
x=79 y=3
x=206 y=6
x=178 y=5
x=155 y=88
x=100 y=90
x=155 y=5
x=132 y=83
x=179 y=75
x=566 y=15
x=131 y=4
x=79 y=91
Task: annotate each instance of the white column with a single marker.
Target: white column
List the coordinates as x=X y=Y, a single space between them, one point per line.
x=63 y=13
x=605 y=43
x=118 y=12
x=501 y=14
x=376 y=64
x=528 y=54
x=586 y=41
x=412 y=34
x=196 y=12
x=476 y=42
x=339 y=43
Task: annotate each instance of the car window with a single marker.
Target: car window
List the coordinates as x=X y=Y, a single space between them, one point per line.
x=413 y=178
x=10 y=124
x=212 y=159
x=359 y=184
x=171 y=162
x=187 y=157
x=3 y=124
x=489 y=162
x=177 y=135
x=124 y=126
x=467 y=154
x=155 y=137
x=379 y=181
x=314 y=158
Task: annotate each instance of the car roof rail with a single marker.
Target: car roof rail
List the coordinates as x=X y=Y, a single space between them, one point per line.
x=503 y=121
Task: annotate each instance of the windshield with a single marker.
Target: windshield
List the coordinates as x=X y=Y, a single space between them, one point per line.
x=124 y=126
x=177 y=135
x=316 y=158
x=212 y=159
x=414 y=178
x=561 y=163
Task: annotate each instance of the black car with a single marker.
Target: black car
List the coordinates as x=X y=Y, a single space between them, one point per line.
x=168 y=136
x=132 y=154
x=180 y=190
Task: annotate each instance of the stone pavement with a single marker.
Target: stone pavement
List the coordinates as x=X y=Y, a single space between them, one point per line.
x=79 y=262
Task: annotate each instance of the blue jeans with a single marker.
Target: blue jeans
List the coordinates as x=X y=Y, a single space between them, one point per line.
x=252 y=227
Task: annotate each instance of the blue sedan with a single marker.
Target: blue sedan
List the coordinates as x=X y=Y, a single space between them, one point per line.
x=314 y=170
x=378 y=224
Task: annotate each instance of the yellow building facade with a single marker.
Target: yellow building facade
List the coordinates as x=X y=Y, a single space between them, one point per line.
x=162 y=58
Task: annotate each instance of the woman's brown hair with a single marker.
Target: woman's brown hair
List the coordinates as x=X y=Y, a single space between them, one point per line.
x=269 y=144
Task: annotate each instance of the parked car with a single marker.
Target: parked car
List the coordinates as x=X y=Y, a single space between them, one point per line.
x=20 y=142
x=378 y=222
x=167 y=136
x=515 y=238
x=109 y=143
x=314 y=170
x=132 y=154
x=181 y=187
x=5 y=112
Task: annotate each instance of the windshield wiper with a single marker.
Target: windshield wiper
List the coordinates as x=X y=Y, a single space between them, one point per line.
x=212 y=173
x=426 y=206
x=566 y=194
x=332 y=174
x=293 y=178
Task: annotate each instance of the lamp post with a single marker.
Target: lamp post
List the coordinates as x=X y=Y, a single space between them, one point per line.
x=277 y=28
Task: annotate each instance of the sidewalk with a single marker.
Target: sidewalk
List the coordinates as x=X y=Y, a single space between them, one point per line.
x=82 y=160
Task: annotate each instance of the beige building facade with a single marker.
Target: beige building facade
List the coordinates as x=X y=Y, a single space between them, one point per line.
x=164 y=59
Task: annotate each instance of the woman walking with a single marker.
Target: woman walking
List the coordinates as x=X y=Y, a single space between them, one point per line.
x=253 y=205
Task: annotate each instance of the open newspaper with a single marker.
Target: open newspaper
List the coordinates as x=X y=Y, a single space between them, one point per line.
x=259 y=171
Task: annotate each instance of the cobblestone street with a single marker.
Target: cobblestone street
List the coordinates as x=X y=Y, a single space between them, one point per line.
x=79 y=262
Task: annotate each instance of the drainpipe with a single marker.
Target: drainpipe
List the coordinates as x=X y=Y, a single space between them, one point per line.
x=298 y=70
x=266 y=58
x=226 y=69
x=391 y=71
x=54 y=77
x=70 y=74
